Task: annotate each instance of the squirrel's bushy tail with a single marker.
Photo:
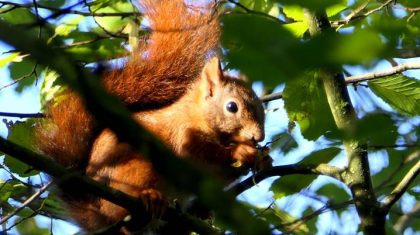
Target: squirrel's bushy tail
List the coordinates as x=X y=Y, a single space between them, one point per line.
x=160 y=70
x=67 y=132
x=157 y=74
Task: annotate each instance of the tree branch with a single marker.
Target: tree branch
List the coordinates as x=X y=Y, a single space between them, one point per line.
x=357 y=175
x=22 y=115
x=388 y=72
x=401 y=187
x=321 y=169
x=271 y=97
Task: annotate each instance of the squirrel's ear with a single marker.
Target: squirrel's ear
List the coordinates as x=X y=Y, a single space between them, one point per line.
x=211 y=76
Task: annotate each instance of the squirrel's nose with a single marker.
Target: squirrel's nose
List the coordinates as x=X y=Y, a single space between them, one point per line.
x=258 y=136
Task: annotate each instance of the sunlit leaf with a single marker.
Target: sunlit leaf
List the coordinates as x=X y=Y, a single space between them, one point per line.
x=297 y=28
x=115 y=23
x=314 y=5
x=66 y=28
x=50 y=88
x=12 y=57
x=401 y=92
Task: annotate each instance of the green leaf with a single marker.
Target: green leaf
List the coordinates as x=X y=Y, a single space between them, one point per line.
x=101 y=50
x=333 y=192
x=399 y=163
x=25 y=72
x=50 y=88
x=399 y=91
x=290 y=184
x=30 y=227
x=294 y=12
x=315 y=5
x=297 y=28
x=283 y=141
x=311 y=224
x=360 y=47
x=11 y=189
x=18 y=16
x=6 y=190
x=67 y=27
x=113 y=24
x=321 y=156
x=22 y=134
x=377 y=129
x=12 y=57
x=260 y=42
x=306 y=103
x=278 y=217
x=336 y=8
x=52 y=3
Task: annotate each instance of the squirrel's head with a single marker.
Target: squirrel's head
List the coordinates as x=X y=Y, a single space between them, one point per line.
x=233 y=112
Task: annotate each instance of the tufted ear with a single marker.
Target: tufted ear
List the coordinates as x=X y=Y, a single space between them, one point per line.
x=212 y=77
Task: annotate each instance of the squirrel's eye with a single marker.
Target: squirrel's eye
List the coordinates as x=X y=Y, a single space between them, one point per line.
x=232 y=107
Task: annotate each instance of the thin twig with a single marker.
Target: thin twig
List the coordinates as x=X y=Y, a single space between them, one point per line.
x=33 y=72
x=247 y=10
x=357 y=78
x=353 y=16
x=271 y=97
x=25 y=203
x=388 y=72
x=393 y=146
x=400 y=189
x=86 y=42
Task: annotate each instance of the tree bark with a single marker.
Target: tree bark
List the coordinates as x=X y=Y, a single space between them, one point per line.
x=357 y=175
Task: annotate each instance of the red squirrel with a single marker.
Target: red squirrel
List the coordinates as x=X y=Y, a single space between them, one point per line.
x=177 y=93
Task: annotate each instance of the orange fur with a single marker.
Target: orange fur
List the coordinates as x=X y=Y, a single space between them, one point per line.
x=176 y=94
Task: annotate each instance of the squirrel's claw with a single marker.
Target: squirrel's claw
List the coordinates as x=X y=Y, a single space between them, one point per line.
x=154 y=202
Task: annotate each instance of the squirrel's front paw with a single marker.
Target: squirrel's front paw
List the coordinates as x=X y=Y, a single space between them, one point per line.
x=244 y=154
x=154 y=202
